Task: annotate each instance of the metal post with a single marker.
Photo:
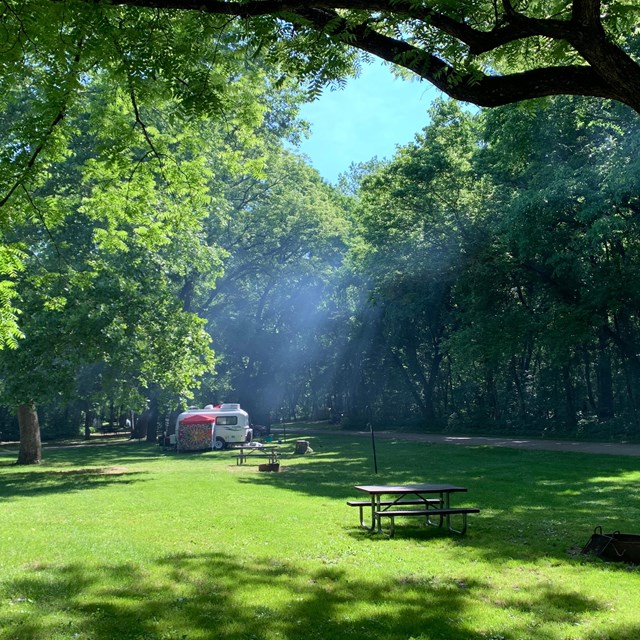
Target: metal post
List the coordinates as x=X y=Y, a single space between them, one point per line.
x=373 y=446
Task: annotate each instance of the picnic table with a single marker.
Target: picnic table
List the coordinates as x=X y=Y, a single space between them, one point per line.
x=428 y=501
x=246 y=453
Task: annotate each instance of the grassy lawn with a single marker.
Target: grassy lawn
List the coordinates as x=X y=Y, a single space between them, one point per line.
x=128 y=542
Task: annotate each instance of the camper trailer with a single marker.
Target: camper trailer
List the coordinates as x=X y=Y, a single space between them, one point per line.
x=227 y=424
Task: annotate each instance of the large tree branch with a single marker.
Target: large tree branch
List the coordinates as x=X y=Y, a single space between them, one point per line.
x=483 y=90
x=513 y=25
x=478 y=41
x=608 y=72
x=31 y=161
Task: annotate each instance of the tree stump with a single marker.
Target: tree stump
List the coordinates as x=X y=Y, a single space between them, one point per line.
x=271 y=466
x=302 y=447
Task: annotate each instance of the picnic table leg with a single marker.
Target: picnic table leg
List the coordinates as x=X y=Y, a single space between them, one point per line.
x=393 y=528
x=447 y=503
x=374 y=519
x=444 y=503
x=363 y=524
x=464 y=525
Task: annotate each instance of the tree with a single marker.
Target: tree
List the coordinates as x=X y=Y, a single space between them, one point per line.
x=195 y=57
x=546 y=328
x=285 y=235
x=108 y=172
x=421 y=219
x=501 y=255
x=108 y=237
x=489 y=53
x=567 y=245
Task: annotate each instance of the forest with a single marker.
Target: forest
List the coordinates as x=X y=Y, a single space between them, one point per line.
x=164 y=245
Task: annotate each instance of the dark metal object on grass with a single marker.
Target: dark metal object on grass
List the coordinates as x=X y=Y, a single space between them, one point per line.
x=616 y=546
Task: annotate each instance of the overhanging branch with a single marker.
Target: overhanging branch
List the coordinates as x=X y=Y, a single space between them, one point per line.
x=608 y=71
x=483 y=90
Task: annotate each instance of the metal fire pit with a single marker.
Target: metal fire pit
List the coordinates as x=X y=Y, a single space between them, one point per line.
x=616 y=546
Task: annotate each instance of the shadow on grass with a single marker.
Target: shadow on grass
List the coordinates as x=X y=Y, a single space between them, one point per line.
x=90 y=454
x=73 y=469
x=533 y=503
x=501 y=478
x=224 y=597
x=21 y=484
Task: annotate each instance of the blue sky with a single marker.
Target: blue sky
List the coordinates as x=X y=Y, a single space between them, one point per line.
x=370 y=117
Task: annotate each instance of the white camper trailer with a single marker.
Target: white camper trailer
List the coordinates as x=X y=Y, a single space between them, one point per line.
x=230 y=426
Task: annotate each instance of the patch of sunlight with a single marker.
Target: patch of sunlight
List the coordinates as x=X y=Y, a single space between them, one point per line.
x=627 y=476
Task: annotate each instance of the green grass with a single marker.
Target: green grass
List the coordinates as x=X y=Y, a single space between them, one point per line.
x=127 y=542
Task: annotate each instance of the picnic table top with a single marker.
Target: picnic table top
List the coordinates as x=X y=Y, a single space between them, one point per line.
x=410 y=488
x=269 y=447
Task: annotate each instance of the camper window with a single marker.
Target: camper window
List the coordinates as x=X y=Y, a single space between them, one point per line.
x=226 y=420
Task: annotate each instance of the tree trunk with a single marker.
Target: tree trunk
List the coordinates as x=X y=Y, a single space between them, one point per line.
x=587 y=379
x=570 y=400
x=88 y=420
x=30 y=445
x=522 y=404
x=141 y=426
x=152 y=426
x=112 y=418
x=491 y=390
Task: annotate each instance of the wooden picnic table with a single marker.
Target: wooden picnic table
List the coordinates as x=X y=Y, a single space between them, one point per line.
x=421 y=498
x=245 y=453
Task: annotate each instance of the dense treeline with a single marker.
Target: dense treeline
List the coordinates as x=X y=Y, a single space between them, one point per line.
x=484 y=279
x=503 y=255
x=490 y=284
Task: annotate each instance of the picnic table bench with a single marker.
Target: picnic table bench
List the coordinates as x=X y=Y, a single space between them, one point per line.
x=428 y=514
x=363 y=504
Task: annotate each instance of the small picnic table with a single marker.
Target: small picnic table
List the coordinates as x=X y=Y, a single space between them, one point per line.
x=245 y=453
